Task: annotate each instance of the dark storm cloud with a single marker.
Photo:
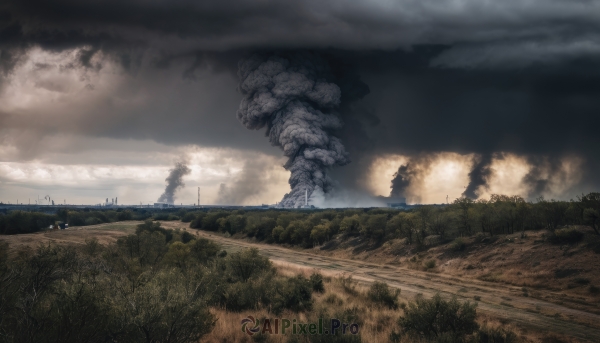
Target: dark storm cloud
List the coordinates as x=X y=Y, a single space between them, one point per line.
x=468 y=76
x=537 y=111
x=231 y=24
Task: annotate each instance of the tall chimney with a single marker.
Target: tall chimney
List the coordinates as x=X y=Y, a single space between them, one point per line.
x=306 y=197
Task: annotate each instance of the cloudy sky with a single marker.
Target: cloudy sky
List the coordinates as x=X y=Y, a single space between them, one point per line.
x=101 y=98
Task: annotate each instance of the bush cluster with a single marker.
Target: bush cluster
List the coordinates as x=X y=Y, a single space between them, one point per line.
x=156 y=285
x=438 y=320
x=565 y=236
x=380 y=293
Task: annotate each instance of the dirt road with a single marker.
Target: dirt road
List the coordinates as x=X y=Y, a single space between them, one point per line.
x=504 y=302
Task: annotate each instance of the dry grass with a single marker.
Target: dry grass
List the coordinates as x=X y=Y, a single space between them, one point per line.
x=104 y=233
x=376 y=322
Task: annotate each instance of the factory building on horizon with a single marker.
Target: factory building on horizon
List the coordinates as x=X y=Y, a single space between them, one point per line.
x=394 y=202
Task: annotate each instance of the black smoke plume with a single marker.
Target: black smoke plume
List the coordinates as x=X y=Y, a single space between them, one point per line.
x=402 y=179
x=410 y=177
x=174 y=182
x=294 y=95
x=479 y=176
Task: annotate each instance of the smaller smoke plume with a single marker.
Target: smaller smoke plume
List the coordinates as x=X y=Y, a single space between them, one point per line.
x=545 y=172
x=251 y=182
x=402 y=179
x=479 y=176
x=410 y=177
x=174 y=182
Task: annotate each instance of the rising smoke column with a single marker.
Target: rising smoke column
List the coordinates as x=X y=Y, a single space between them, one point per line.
x=292 y=95
x=174 y=182
x=402 y=179
x=479 y=176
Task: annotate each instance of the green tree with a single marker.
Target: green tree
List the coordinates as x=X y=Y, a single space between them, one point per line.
x=277 y=233
x=204 y=250
x=178 y=255
x=464 y=206
x=244 y=264
x=319 y=233
x=375 y=226
x=350 y=225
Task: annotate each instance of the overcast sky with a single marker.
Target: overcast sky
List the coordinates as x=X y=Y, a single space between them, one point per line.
x=100 y=98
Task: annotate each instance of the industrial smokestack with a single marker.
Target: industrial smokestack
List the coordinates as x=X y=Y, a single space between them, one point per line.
x=174 y=182
x=293 y=95
x=306 y=197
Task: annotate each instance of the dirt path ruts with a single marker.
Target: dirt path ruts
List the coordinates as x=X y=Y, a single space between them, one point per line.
x=504 y=302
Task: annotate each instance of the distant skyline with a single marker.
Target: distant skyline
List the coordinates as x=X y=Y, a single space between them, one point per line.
x=100 y=100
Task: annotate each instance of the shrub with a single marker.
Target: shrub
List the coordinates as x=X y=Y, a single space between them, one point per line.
x=244 y=264
x=458 y=244
x=430 y=264
x=188 y=217
x=92 y=247
x=495 y=335
x=380 y=293
x=187 y=237
x=438 y=319
x=294 y=294
x=92 y=221
x=565 y=236
x=240 y=296
x=196 y=222
x=316 y=281
x=582 y=281
x=204 y=250
x=348 y=284
x=333 y=300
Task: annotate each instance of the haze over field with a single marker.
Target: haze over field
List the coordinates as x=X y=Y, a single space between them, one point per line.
x=101 y=99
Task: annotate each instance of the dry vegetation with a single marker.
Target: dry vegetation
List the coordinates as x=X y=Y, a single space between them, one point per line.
x=377 y=321
x=563 y=273
x=346 y=295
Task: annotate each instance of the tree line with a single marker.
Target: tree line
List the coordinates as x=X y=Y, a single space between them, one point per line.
x=500 y=214
x=464 y=217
